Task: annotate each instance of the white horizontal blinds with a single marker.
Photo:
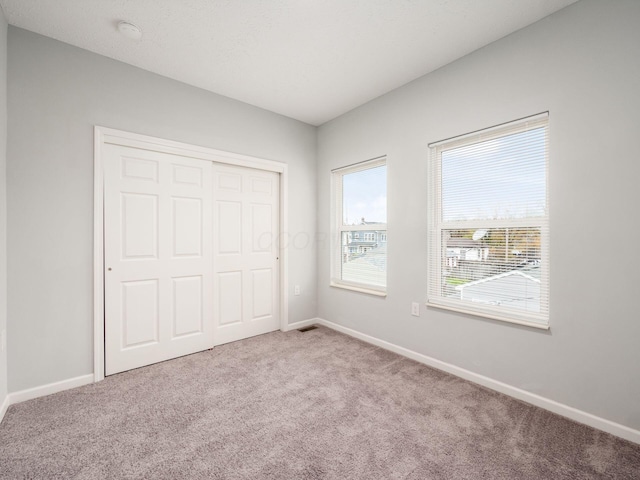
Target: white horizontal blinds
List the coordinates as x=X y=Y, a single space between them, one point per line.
x=360 y=247
x=501 y=178
x=488 y=249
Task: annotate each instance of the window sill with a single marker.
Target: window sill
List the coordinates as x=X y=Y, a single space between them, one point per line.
x=353 y=288
x=540 y=326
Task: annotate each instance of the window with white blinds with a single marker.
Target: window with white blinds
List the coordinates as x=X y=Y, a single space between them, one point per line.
x=359 y=240
x=488 y=224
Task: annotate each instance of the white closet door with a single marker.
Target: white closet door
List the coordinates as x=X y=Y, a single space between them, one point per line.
x=158 y=257
x=245 y=243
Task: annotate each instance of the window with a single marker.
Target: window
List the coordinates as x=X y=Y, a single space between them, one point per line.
x=359 y=217
x=488 y=224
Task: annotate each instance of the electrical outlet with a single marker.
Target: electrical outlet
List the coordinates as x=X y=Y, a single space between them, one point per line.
x=415 y=309
x=296 y=290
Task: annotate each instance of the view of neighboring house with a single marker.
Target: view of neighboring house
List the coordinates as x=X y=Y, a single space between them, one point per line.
x=364 y=241
x=465 y=249
x=364 y=255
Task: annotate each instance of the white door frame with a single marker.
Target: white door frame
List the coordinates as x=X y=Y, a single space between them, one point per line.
x=104 y=135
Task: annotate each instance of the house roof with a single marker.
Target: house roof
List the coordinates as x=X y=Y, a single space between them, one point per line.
x=363 y=243
x=496 y=277
x=513 y=289
x=364 y=222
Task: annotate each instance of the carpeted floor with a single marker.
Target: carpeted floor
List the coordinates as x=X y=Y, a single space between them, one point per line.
x=314 y=405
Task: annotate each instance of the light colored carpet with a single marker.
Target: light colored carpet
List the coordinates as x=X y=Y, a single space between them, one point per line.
x=314 y=405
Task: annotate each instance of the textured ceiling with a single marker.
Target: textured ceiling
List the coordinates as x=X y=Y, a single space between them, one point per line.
x=307 y=59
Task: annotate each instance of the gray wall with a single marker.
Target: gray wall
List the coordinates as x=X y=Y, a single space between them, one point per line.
x=3 y=201
x=582 y=65
x=57 y=93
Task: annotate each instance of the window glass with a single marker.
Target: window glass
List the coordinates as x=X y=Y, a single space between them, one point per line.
x=363 y=262
x=359 y=252
x=364 y=197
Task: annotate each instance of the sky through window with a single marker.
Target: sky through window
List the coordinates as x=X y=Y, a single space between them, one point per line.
x=365 y=196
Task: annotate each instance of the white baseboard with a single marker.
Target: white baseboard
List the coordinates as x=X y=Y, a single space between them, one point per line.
x=579 y=416
x=3 y=407
x=31 y=393
x=302 y=324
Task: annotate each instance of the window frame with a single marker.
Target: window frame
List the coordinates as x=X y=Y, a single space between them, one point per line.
x=338 y=228
x=436 y=226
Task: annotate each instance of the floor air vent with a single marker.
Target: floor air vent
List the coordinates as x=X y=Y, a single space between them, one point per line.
x=306 y=329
